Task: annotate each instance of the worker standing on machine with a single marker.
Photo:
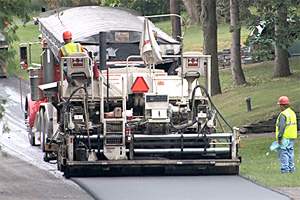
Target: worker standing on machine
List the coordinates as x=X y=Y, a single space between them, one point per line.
x=286 y=131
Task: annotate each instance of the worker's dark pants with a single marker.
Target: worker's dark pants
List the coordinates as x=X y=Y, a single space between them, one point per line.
x=69 y=79
x=286 y=157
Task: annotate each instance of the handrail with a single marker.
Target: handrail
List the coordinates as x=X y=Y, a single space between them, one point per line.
x=29 y=46
x=171 y=15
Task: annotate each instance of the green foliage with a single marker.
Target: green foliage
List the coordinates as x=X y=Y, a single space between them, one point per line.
x=265 y=13
x=4 y=154
x=28 y=33
x=223 y=9
x=2 y=109
x=193 y=40
x=11 y=8
x=5 y=128
x=262 y=165
x=64 y=3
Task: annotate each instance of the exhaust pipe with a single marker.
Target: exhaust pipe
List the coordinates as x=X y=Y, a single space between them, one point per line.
x=102 y=50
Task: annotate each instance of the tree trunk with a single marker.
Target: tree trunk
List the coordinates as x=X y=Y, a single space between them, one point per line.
x=210 y=46
x=192 y=8
x=235 y=57
x=176 y=28
x=281 y=65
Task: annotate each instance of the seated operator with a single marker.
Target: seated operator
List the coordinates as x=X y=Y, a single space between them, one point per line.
x=71 y=47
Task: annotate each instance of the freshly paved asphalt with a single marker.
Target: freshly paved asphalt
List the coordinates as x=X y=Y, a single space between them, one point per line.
x=177 y=188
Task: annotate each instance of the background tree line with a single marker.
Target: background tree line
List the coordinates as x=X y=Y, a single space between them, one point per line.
x=208 y=13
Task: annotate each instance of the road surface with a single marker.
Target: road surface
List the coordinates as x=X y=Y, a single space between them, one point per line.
x=23 y=173
x=177 y=188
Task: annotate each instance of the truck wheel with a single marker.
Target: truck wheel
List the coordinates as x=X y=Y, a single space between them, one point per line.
x=46 y=157
x=59 y=165
x=31 y=137
x=67 y=173
x=42 y=124
x=59 y=160
x=35 y=129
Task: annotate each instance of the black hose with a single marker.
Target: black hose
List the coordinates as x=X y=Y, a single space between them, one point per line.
x=205 y=91
x=194 y=111
x=72 y=94
x=184 y=126
x=181 y=127
x=85 y=108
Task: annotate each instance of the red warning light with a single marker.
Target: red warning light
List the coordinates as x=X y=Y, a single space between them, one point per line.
x=139 y=85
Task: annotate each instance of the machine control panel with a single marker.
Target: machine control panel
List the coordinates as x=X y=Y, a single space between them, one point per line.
x=155 y=101
x=157 y=98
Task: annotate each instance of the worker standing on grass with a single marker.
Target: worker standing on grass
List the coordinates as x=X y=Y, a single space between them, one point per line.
x=286 y=128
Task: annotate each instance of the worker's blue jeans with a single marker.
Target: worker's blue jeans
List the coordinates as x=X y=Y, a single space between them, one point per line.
x=286 y=157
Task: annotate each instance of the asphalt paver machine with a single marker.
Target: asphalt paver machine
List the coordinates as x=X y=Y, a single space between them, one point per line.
x=131 y=116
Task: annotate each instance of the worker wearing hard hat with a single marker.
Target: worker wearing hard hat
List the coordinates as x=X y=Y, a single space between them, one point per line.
x=286 y=129
x=69 y=46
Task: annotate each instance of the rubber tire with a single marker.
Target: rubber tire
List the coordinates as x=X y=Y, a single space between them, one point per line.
x=37 y=128
x=60 y=165
x=42 y=124
x=46 y=157
x=67 y=173
x=31 y=137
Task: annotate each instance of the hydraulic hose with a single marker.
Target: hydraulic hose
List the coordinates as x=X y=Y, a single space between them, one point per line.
x=181 y=127
x=72 y=94
x=184 y=126
x=213 y=105
x=85 y=105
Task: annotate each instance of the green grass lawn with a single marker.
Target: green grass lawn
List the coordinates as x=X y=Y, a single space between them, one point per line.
x=262 y=165
x=263 y=91
x=193 y=38
x=27 y=34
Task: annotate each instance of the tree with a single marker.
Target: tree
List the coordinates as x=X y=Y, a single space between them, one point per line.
x=235 y=58
x=210 y=47
x=9 y=9
x=192 y=7
x=274 y=15
x=281 y=65
x=176 y=28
